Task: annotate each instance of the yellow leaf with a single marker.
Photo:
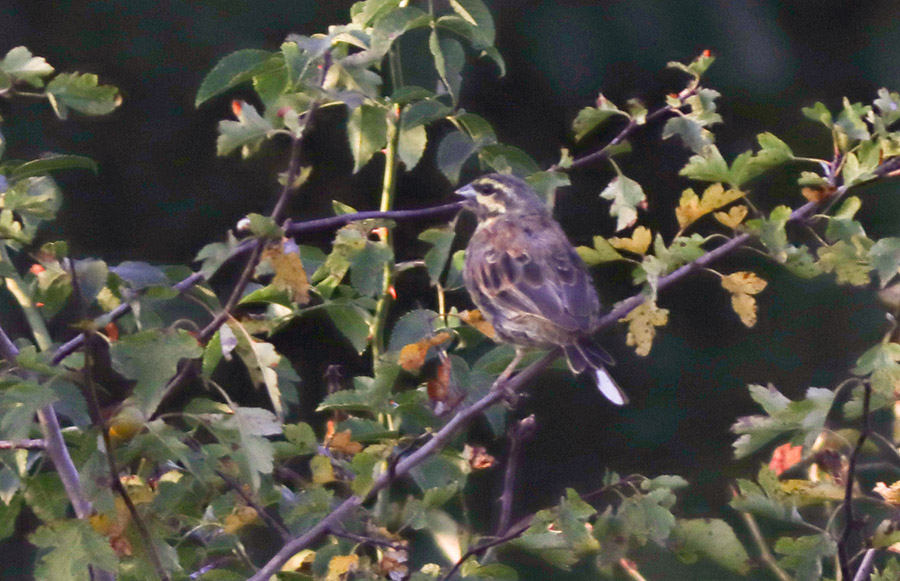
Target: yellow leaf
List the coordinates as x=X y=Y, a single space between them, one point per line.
x=638 y=243
x=733 y=217
x=475 y=319
x=745 y=306
x=299 y=560
x=241 y=517
x=691 y=207
x=742 y=285
x=642 y=323
x=289 y=273
x=322 y=470
x=716 y=196
x=743 y=282
x=340 y=565
x=688 y=209
x=890 y=494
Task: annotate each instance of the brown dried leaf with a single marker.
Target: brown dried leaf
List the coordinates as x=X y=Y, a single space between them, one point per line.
x=475 y=319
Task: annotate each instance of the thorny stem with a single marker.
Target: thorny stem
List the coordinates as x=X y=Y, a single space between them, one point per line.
x=388 y=189
x=849 y=518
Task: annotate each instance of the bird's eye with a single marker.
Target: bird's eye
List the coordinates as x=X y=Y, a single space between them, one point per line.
x=484 y=189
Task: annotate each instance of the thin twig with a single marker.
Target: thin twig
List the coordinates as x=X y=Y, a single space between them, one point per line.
x=482 y=547
x=765 y=555
x=626 y=132
x=849 y=517
x=23 y=444
x=263 y=513
x=367 y=540
x=522 y=432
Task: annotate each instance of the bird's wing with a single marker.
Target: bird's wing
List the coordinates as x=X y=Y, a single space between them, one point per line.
x=529 y=267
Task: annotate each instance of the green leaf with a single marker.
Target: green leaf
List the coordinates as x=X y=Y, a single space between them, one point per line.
x=237 y=68
x=708 y=166
x=367 y=268
x=851 y=120
x=19 y=63
x=83 y=93
x=627 y=196
x=771 y=231
x=888 y=105
x=508 y=159
x=441 y=240
x=590 y=118
x=803 y=555
x=368 y=394
x=691 y=133
x=842 y=226
x=51 y=162
x=19 y=401
x=302 y=436
x=92 y=275
x=367 y=133
x=454 y=150
x=71 y=547
x=764 y=499
x=773 y=150
x=411 y=328
x=695 y=68
x=248 y=132
x=476 y=13
x=545 y=184
x=449 y=59
x=411 y=146
x=649 y=516
x=260 y=358
x=352 y=321
x=602 y=252
x=820 y=113
x=890 y=572
x=848 y=261
x=882 y=355
x=885 y=257
x=713 y=539
x=801 y=420
x=151 y=359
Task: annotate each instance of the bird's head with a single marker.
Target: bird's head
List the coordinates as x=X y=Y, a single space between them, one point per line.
x=496 y=194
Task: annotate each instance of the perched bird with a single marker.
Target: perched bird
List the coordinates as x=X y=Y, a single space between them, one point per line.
x=528 y=281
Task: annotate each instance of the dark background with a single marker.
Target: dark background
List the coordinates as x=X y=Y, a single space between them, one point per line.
x=162 y=193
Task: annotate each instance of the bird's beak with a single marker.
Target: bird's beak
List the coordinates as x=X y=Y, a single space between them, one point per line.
x=467 y=192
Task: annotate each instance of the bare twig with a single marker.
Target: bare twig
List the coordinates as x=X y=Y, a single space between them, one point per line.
x=368 y=540
x=264 y=514
x=518 y=435
x=482 y=547
x=849 y=517
x=22 y=444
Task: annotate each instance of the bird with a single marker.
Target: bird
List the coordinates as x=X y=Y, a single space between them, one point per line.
x=528 y=281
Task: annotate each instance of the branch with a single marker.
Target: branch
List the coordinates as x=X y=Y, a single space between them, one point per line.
x=849 y=518
x=765 y=555
x=23 y=445
x=440 y=439
x=482 y=547
x=626 y=132
x=522 y=432
x=865 y=568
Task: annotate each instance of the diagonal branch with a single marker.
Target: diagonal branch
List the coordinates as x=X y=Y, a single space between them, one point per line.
x=440 y=439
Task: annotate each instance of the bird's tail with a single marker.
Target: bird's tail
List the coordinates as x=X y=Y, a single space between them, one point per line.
x=585 y=355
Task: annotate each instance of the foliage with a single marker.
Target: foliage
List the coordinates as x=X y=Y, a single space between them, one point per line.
x=175 y=489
